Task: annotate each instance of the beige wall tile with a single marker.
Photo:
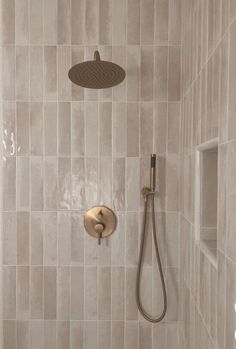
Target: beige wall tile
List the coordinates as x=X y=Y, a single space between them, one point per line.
x=9 y=184
x=50 y=184
x=22 y=293
x=9 y=334
x=146 y=129
x=91 y=128
x=77 y=183
x=64 y=22
x=147 y=61
x=63 y=238
x=36 y=128
x=9 y=238
x=118 y=22
x=64 y=129
x=77 y=239
x=77 y=56
x=77 y=131
x=230 y=304
x=145 y=335
x=117 y=341
x=91 y=179
x=131 y=311
x=160 y=69
x=36 y=293
x=50 y=239
x=76 y=334
x=36 y=238
x=22 y=119
x=77 y=293
x=64 y=64
x=119 y=129
x=8 y=73
x=131 y=335
x=104 y=293
x=64 y=184
x=77 y=21
x=90 y=296
x=118 y=242
x=119 y=184
x=9 y=292
x=22 y=334
x=119 y=57
x=104 y=334
x=50 y=125
x=105 y=18
x=160 y=128
x=105 y=128
x=36 y=334
x=50 y=338
x=50 y=73
x=91 y=22
x=50 y=12
x=63 y=334
x=132 y=230
x=174 y=73
x=118 y=287
x=22 y=22
x=23 y=183
x=161 y=21
x=63 y=293
x=147 y=22
x=9 y=127
x=8 y=24
x=105 y=181
x=133 y=22
x=50 y=293
x=174 y=22
x=132 y=184
x=36 y=193
x=90 y=334
x=133 y=129
x=36 y=21
x=22 y=72
x=23 y=226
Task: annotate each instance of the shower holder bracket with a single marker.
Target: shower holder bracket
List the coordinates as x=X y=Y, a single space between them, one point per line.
x=100 y=222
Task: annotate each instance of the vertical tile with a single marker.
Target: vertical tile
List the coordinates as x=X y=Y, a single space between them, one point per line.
x=9 y=334
x=50 y=125
x=64 y=129
x=119 y=129
x=50 y=73
x=36 y=239
x=160 y=127
x=90 y=334
x=104 y=293
x=132 y=184
x=133 y=73
x=131 y=335
x=22 y=293
x=147 y=57
x=90 y=295
x=8 y=73
x=145 y=335
x=8 y=22
x=9 y=184
x=77 y=293
x=22 y=115
x=118 y=242
x=77 y=129
x=78 y=22
x=119 y=57
x=22 y=22
x=50 y=14
x=23 y=183
x=174 y=74
x=161 y=21
x=105 y=130
x=50 y=239
x=36 y=293
x=9 y=292
x=22 y=72
x=76 y=334
x=119 y=184
x=160 y=77
x=50 y=335
x=64 y=184
x=91 y=22
x=23 y=238
x=9 y=128
x=232 y=83
x=174 y=22
x=77 y=239
x=105 y=25
x=146 y=129
x=118 y=27
x=50 y=293
x=133 y=22
x=77 y=56
x=130 y=301
x=9 y=238
x=230 y=305
x=132 y=230
x=64 y=22
x=104 y=335
x=91 y=180
x=147 y=22
x=50 y=184
x=91 y=129
x=63 y=236
x=36 y=128
x=105 y=181
x=117 y=339
x=63 y=334
x=22 y=334
x=36 y=191
x=36 y=334
x=64 y=64
x=36 y=21
x=63 y=293
x=132 y=129
x=118 y=295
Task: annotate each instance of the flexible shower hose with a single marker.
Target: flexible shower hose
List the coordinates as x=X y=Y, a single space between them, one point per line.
x=147 y=196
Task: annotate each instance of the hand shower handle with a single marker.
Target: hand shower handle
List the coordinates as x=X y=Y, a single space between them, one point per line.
x=153 y=173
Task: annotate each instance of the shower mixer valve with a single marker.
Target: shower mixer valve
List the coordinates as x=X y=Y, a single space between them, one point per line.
x=100 y=222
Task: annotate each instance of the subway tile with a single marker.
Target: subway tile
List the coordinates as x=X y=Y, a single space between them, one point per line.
x=147 y=62
x=64 y=64
x=64 y=184
x=133 y=73
x=23 y=236
x=36 y=128
x=22 y=72
x=118 y=242
x=90 y=296
x=8 y=73
x=9 y=238
x=132 y=129
x=132 y=184
x=9 y=184
x=118 y=23
x=91 y=22
x=132 y=231
x=9 y=339
x=119 y=57
x=160 y=128
x=78 y=22
x=77 y=239
x=64 y=129
x=77 y=293
x=50 y=13
x=9 y=292
x=36 y=334
x=174 y=74
x=173 y=128
x=105 y=128
x=77 y=129
x=76 y=334
x=119 y=184
x=36 y=21
x=50 y=183
x=131 y=310
x=118 y=295
x=230 y=305
x=160 y=77
x=50 y=73
x=63 y=334
x=90 y=334
x=8 y=21
x=232 y=82
x=9 y=128
x=63 y=238
x=50 y=293
x=147 y=22
x=22 y=293
x=146 y=129
x=37 y=185
x=50 y=126
x=22 y=118
x=77 y=184
x=91 y=180
x=63 y=293
x=36 y=73
x=50 y=239
x=36 y=293
x=91 y=129
x=23 y=334
x=22 y=22
x=104 y=334
x=161 y=21
x=119 y=129
x=64 y=22
x=133 y=22
x=131 y=335
x=105 y=181
x=146 y=289
x=105 y=22
x=23 y=183
x=104 y=293
x=50 y=334
x=117 y=339
x=77 y=56
x=145 y=335
x=36 y=238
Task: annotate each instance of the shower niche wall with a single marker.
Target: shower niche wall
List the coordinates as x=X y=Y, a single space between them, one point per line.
x=206 y=196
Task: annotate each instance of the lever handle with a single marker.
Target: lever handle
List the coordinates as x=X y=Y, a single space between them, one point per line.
x=99 y=228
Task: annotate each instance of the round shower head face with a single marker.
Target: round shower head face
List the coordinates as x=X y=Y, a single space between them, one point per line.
x=96 y=74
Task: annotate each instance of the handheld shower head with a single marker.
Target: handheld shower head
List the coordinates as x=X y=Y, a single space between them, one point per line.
x=153 y=173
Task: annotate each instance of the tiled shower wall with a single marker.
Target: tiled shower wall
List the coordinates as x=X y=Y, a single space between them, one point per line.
x=66 y=149
x=208 y=110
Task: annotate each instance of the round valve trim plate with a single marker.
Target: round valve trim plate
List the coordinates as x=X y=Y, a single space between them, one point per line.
x=100 y=216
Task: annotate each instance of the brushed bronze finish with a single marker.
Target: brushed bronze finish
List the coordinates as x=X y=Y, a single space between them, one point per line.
x=100 y=222
x=96 y=74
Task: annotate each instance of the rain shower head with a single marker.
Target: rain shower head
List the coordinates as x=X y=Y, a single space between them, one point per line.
x=96 y=74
